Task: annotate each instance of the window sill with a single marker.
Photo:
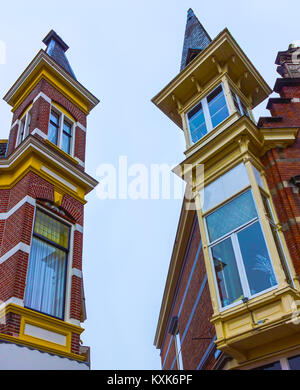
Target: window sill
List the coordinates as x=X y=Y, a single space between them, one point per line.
x=59 y=150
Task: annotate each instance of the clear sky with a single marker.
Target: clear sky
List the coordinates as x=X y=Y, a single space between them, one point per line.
x=124 y=52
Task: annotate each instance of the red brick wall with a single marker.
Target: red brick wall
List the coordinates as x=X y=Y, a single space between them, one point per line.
x=17 y=228
x=196 y=311
x=40 y=116
x=281 y=164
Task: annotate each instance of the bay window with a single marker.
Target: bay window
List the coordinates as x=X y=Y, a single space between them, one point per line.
x=238 y=237
x=240 y=257
x=46 y=277
x=207 y=114
x=60 y=131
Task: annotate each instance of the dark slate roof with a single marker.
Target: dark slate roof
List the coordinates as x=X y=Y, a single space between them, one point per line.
x=56 y=49
x=2 y=149
x=196 y=39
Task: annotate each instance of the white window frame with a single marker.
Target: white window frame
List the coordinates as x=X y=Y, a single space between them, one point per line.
x=24 y=123
x=68 y=279
x=238 y=256
x=178 y=351
x=61 y=119
x=240 y=104
x=207 y=116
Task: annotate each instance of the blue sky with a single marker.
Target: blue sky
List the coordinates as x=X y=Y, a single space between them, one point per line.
x=124 y=52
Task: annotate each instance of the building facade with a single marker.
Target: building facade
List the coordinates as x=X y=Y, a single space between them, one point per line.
x=232 y=294
x=43 y=185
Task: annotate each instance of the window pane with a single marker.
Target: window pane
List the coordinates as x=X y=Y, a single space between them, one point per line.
x=226 y=271
x=54 y=118
x=46 y=279
x=217 y=106
x=67 y=127
x=197 y=123
x=52 y=133
x=225 y=186
x=51 y=229
x=256 y=260
x=235 y=101
x=230 y=216
x=66 y=143
x=272 y=366
x=294 y=363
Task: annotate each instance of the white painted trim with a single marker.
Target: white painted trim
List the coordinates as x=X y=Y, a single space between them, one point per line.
x=26 y=199
x=76 y=272
x=44 y=96
x=19 y=247
x=59 y=178
x=79 y=228
x=68 y=286
x=13 y=300
x=73 y=321
x=81 y=126
x=39 y=132
x=35 y=143
x=16 y=122
x=80 y=162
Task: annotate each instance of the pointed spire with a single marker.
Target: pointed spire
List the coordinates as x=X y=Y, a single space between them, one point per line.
x=56 y=49
x=196 y=39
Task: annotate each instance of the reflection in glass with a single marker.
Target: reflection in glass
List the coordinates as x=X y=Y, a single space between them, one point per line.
x=228 y=280
x=197 y=123
x=217 y=106
x=256 y=260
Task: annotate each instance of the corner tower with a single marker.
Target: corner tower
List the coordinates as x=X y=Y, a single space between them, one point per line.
x=233 y=281
x=43 y=185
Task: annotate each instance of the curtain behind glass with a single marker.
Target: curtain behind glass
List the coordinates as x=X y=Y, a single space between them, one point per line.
x=230 y=216
x=45 y=280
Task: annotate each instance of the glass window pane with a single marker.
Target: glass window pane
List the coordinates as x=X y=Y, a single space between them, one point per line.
x=66 y=143
x=272 y=366
x=67 y=127
x=230 y=216
x=54 y=118
x=256 y=260
x=225 y=186
x=217 y=106
x=228 y=280
x=52 y=133
x=235 y=101
x=197 y=123
x=294 y=363
x=46 y=278
x=51 y=229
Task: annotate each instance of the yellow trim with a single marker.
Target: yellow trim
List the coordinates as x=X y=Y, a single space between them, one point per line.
x=25 y=111
x=54 y=79
x=59 y=150
x=34 y=161
x=44 y=322
x=3 y=141
x=63 y=110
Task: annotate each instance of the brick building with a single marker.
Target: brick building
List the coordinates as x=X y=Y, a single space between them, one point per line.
x=43 y=184
x=232 y=293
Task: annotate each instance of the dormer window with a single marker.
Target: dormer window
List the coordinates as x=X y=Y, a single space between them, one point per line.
x=207 y=114
x=24 y=127
x=60 y=130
